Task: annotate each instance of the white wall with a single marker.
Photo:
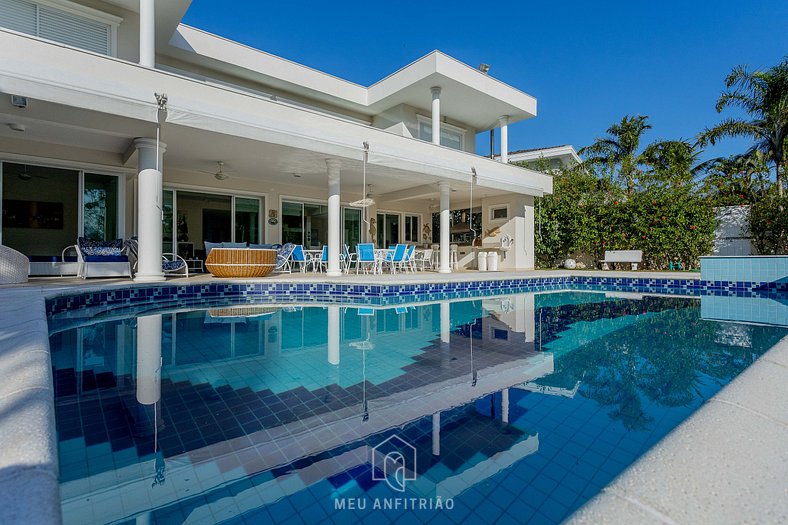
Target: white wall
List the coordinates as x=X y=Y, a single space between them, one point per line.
x=731 y=237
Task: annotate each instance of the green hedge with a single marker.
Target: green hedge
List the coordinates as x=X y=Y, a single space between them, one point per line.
x=587 y=215
x=769 y=224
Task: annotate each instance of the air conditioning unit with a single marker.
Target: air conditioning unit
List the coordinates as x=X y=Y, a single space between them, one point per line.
x=19 y=101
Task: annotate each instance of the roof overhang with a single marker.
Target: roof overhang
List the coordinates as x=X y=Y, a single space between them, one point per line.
x=468 y=95
x=566 y=154
x=85 y=81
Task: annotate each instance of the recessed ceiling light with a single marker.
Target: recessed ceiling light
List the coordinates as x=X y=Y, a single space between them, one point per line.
x=15 y=126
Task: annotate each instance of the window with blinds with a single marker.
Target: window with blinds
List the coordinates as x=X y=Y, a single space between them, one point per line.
x=59 y=25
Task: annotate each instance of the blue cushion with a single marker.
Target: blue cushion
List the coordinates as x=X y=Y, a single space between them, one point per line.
x=88 y=247
x=261 y=246
x=210 y=246
x=106 y=258
x=171 y=266
x=233 y=245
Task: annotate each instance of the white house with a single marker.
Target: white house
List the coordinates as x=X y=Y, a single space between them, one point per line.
x=252 y=147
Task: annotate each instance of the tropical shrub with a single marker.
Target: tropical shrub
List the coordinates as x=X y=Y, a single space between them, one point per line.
x=769 y=224
x=588 y=215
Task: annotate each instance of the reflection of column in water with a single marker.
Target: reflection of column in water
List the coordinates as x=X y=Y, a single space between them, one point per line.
x=505 y=405
x=333 y=335
x=148 y=374
x=529 y=315
x=436 y=434
x=445 y=322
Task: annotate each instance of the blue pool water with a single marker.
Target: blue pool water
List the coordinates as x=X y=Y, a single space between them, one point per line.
x=510 y=409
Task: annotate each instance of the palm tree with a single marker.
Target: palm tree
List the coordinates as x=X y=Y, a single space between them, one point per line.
x=738 y=179
x=620 y=148
x=763 y=95
x=673 y=161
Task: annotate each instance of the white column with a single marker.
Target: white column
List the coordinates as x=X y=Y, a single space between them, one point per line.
x=149 y=210
x=148 y=33
x=445 y=225
x=333 y=335
x=436 y=434
x=445 y=322
x=436 y=115
x=505 y=405
x=504 y=124
x=334 y=219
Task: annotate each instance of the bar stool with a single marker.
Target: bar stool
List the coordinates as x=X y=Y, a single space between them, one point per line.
x=436 y=256
x=453 y=261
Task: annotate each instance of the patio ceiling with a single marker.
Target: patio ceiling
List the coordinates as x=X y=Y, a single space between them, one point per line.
x=196 y=150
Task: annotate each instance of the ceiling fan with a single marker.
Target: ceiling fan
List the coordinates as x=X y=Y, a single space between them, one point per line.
x=25 y=175
x=220 y=174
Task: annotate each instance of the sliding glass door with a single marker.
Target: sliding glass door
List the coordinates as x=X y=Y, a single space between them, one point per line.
x=193 y=218
x=352 y=227
x=45 y=209
x=247 y=220
x=100 y=207
x=305 y=223
x=388 y=229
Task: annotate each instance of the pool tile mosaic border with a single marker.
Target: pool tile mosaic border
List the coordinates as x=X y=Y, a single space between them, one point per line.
x=389 y=294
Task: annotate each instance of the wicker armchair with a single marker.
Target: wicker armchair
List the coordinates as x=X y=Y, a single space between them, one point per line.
x=14 y=267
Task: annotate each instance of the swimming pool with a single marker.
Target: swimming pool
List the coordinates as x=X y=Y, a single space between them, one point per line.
x=514 y=408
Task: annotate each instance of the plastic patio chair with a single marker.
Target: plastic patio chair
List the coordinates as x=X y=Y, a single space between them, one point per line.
x=407 y=262
x=365 y=257
x=395 y=257
x=288 y=255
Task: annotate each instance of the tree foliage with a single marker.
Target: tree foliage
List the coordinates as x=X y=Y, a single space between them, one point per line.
x=763 y=95
x=769 y=224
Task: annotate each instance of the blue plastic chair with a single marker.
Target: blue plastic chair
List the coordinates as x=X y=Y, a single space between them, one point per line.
x=396 y=257
x=365 y=255
x=289 y=254
x=322 y=262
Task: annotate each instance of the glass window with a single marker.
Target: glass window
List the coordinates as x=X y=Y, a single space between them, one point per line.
x=412 y=229
x=100 y=202
x=498 y=213
x=352 y=228
x=247 y=220
x=56 y=24
x=451 y=136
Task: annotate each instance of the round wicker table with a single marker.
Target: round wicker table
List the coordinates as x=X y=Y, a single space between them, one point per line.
x=240 y=262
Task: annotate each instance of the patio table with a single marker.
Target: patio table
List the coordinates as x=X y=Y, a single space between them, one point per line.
x=313 y=258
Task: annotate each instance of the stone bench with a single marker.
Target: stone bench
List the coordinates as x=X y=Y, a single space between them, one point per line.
x=633 y=257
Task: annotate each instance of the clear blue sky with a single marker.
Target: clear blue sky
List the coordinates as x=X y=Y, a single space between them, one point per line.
x=587 y=63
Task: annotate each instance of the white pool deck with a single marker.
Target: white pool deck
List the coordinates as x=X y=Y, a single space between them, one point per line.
x=727 y=463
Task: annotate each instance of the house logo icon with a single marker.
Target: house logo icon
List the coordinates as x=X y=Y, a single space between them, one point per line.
x=394 y=461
